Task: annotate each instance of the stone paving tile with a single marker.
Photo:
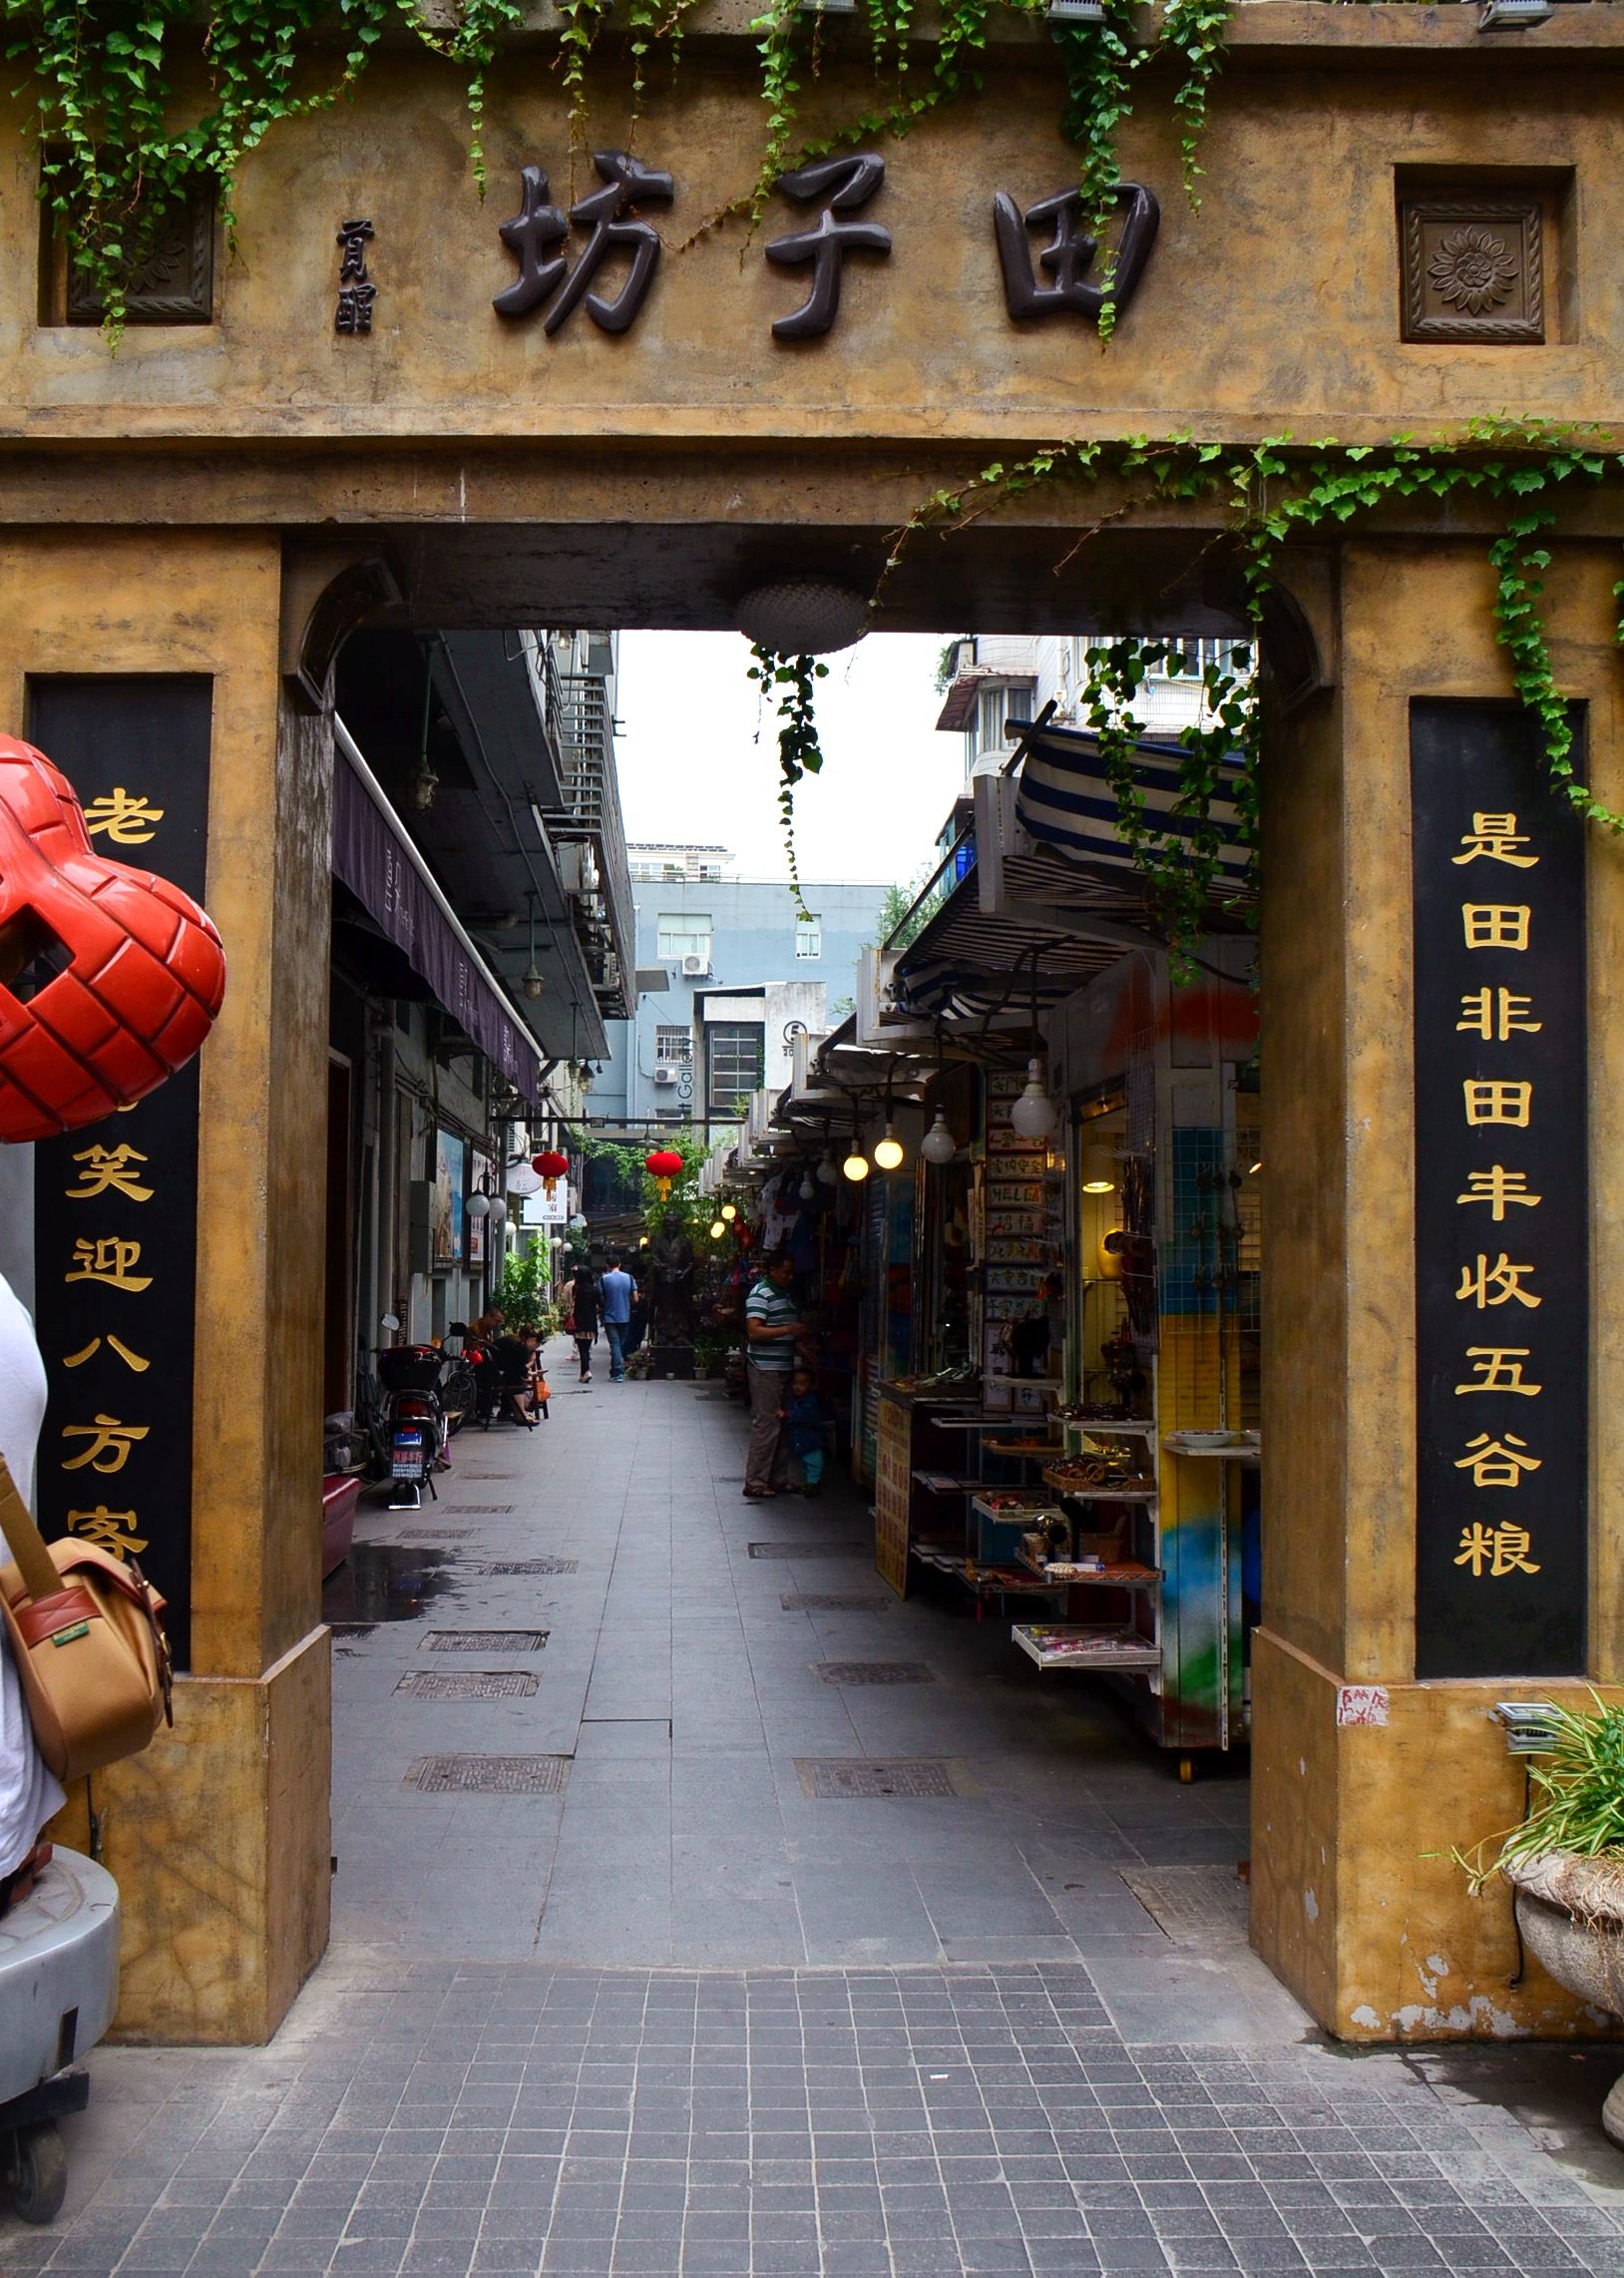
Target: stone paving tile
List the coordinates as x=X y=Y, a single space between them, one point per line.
x=980 y=2122
x=684 y=2018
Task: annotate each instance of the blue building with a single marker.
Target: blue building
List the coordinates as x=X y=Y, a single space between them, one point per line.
x=710 y=933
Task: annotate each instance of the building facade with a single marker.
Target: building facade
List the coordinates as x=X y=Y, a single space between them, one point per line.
x=703 y=932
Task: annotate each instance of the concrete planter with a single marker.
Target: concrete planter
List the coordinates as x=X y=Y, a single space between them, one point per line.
x=1570 y=1912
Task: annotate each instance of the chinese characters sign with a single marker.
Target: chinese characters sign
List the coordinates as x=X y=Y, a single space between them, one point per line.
x=611 y=220
x=1501 y=1201
x=116 y=1203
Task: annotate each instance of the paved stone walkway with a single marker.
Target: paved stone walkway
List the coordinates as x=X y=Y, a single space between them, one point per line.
x=669 y=2011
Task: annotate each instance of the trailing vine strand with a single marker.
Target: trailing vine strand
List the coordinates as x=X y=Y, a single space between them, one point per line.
x=790 y=682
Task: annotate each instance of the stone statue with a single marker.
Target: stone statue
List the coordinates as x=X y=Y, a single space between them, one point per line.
x=671 y=1262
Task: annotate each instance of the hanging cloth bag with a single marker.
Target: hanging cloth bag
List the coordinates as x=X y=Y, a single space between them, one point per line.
x=88 y=1633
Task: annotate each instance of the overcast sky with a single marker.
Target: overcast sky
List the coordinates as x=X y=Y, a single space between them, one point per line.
x=692 y=767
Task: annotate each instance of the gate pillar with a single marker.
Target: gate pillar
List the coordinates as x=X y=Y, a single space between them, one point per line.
x=1376 y=1752
x=218 y=1834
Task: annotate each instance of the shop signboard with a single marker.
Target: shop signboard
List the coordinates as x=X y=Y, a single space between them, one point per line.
x=116 y=1205
x=1501 y=1199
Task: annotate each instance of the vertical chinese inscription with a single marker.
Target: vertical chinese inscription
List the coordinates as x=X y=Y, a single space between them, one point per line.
x=356 y=290
x=1501 y=1201
x=116 y=1203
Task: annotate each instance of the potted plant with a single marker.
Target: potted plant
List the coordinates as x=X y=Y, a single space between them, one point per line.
x=1565 y=1860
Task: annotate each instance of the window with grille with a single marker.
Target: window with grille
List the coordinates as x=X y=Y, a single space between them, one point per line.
x=684 y=934
x=673 y=1047
x=809 y=937
x=735 y=1049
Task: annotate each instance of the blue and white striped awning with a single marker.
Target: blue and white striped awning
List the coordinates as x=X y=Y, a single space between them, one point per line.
x=1065 y=802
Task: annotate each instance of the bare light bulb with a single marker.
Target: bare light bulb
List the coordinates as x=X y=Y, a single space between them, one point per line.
x=717 y=1230
x=939 y=1145
x=728 y=1212
x=1033 y=1112
x=826 y=1169
x=888 y=1155
x=856 y=1165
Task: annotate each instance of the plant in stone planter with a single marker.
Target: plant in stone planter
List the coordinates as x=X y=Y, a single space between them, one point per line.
x=1565 y=1860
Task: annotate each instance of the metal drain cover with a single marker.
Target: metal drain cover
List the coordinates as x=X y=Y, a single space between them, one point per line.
x=1195 y=1906
x=469 y=1684
x=845 y=1779
x=531 y=1566
x=352 y=1629
x=435 y=1533
x=485 y=1511
x=486 y=1640
x=806 y=1549
x=875 y=1672
x=489 y=1775
x=831 y=1602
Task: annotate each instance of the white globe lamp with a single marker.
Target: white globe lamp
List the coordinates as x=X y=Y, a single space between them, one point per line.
x=1033 y=1112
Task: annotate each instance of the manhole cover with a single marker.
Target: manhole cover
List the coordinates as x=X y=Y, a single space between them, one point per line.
x=805 y=1549
x=489 y=1775
x=486 y=1640
x=852 y=1778
x=469 y=1684
x=1195 y=1906
x=727 y=1478
x=352 y=1629
x=531 y=1566
x=482 y=1476
x=435 y=1533
x=831 y=1602
x=484 y=1511
x=874 y=1672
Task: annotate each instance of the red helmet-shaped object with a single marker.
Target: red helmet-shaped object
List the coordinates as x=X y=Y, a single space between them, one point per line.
x=134 y=969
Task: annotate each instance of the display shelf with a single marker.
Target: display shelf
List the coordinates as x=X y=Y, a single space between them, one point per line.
x=1014 y=1503
x=1097 y=1493
x=985 y=1581
x=942 y=1483
x=1033 y=1448
x=1102 y=1426
x=1130 y=1574
x=1072 y=1645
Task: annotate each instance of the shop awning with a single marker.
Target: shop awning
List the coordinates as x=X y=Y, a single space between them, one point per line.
x=377 y=861
x=1063 y=801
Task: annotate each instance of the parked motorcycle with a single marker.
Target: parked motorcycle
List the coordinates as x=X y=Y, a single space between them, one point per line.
x=414 y=1417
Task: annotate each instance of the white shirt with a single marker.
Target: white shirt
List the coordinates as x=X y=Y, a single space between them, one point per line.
x=29 y=1797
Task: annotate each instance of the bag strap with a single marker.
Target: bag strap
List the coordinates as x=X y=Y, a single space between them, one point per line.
x=25 y=1542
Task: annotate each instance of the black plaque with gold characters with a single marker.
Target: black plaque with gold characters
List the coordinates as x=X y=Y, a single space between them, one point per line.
x=116 y=1205
x=1501 y=1199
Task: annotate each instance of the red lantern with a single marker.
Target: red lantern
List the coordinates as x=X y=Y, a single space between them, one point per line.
x=552 y=1166
x=143 y=976
x=663 y=1166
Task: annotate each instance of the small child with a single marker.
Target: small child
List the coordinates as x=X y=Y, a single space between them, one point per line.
x=805 y=1429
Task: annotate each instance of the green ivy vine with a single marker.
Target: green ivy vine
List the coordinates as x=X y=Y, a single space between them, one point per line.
x=790 y=683
x=1272 y=492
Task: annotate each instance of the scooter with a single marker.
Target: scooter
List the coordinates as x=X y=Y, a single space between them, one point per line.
x=59 y=1987
x=414 y=1419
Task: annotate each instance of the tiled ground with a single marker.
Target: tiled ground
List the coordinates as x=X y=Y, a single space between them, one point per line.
x=681 y=2019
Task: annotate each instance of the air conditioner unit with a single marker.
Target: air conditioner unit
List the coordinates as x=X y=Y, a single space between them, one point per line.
x=695 y=966
x=665 y=1075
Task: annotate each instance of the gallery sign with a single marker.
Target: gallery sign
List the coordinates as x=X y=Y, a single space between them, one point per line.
x=1501 y=1200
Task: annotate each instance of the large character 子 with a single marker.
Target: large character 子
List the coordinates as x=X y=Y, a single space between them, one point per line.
x=110 y=978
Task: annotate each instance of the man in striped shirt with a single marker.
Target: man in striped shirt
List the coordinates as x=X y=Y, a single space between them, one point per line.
x=772 y=1329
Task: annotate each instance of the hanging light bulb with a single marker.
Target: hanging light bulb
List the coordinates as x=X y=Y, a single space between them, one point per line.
x=889 y=1153
x=827 y=1173
x=729 y=1212
x=1033 y=1112
x=717 y=1230
x=1099 y=1170
x=939 y=1145
x=856 y=1166
x=806 y=1191
x=532 y=982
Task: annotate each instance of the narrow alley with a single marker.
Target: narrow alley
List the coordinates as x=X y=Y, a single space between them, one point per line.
x=699 y=1908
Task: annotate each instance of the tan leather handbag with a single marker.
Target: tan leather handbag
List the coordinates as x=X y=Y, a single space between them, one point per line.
x=88 y=1634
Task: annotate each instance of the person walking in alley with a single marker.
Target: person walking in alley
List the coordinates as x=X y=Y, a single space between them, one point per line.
x=772 y=1329
x=583 y=1318
x=618 y=1291
x=806 y=1429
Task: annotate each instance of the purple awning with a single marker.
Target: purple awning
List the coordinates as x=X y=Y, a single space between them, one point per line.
x=375 y=861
